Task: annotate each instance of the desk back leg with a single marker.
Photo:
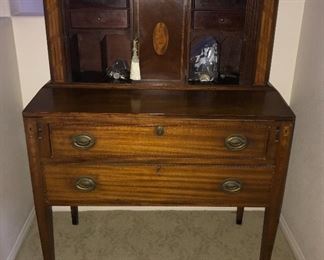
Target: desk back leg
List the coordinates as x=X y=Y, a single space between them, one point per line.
x=75 y=215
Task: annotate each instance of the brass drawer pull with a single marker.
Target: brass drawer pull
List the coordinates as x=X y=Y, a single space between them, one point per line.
x=236 y=142
x=85 y=184
x=83 y=141
x=232 y=186
x=159 y=130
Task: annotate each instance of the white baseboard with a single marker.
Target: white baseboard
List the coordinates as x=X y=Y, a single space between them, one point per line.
x=146 y=208
x=298 y=253
x=22 y=234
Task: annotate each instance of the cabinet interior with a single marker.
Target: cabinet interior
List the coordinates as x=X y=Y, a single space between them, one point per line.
x=97 y=33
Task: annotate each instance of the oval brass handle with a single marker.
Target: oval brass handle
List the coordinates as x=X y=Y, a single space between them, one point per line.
x=232 y=186
x=236 y=142
x=85 y=184
x=83 y=141
x=159 y=130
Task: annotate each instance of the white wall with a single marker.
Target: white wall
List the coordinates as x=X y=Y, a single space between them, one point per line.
x=15 y=188
x=31 y=46
x=4 y=8
x=286 y=44
x=303 y=207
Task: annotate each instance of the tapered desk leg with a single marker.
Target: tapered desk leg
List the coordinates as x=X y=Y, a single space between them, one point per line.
x=43 y=211
x=239 y=215
x=45 y=227
x=270 y=226
x=75 y=215
x=272 y=212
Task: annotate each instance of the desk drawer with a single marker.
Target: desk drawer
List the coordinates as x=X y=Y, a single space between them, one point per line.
x=225 y=21
x=218 y=4
x=97 y=18
x=212 y=141
x=156 y=185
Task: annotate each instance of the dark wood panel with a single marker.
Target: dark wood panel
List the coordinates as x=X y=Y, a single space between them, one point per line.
x=55 y=40
x=93 y=18
x=156 y=185
x=89 y=51
x=184 y=140
x=265 y=41
x=170 y=65
x=249 y=50
x=117 y=47
x=248 y=103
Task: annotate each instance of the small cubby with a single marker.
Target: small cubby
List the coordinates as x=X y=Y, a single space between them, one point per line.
x=216 y=41
x=98 y=33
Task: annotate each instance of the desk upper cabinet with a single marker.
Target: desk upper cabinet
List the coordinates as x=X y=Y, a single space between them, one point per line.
x=87 y=37
x=159 y=103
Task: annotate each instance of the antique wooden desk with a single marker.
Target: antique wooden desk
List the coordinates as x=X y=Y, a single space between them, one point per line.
x=163 y=140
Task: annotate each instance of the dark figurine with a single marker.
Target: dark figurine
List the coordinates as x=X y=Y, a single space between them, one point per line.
x=118 y=71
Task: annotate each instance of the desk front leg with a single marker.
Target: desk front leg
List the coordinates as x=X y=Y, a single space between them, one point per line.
x=272 y=212
x=43 y=211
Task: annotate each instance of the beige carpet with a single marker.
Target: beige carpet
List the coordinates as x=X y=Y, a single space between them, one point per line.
x=155 y=235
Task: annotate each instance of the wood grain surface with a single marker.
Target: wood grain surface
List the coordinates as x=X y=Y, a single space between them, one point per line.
x=156 y=185
x=181 y=141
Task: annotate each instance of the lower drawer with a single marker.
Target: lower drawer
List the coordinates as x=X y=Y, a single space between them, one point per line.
x=81 y=184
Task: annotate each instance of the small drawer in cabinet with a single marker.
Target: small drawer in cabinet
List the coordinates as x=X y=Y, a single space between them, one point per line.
x=225 y=21
x=244 y=142
x=99 y=3
x=219 y=4
x=85 y=184
x=101 y=19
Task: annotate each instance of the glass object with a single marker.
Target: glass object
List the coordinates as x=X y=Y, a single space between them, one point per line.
x=118 y=71
x=205 y=61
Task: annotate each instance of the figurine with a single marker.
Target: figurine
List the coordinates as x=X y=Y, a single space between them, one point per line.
x=135 y=73
x=205 y=64
x=118 y=71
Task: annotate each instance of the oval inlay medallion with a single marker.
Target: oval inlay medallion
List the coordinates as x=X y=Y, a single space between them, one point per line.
x=160 y=38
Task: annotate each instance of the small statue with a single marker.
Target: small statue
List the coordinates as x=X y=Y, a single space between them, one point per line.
x=135 y=73
x=118 y=71
x=205 y=64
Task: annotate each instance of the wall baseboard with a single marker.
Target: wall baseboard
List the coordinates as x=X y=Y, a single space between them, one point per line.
x=22 y=234
x=298 y=253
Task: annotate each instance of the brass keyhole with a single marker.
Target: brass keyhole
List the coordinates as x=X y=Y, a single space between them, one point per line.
x=159 y=130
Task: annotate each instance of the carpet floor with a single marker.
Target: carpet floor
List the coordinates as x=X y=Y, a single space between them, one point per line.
x=155 y=235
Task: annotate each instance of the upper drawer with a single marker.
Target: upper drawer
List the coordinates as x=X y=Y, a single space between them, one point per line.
x=97 y=18
x=226 y=21
x=98 y=3
x=219 y=4
x=172 y=142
